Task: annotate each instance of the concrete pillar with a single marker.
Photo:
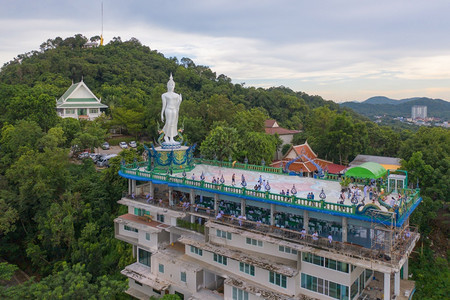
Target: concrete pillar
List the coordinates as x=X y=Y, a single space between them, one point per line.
x=170 y=196
x=133 y=186
x=243 y=204
x=344 y=229
x=192 y=196
x=129 y=186
x=405 y=270
x=299 y=260
x=152 y=189
x=387 y=286
x=397 y=283
x=272 y=214
x=216 y=204
x=306 y=221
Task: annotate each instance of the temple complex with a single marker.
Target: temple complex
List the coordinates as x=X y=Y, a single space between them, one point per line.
x=206 y=229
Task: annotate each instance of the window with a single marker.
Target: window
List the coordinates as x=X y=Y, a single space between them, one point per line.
x=287 y=249
x=196 y=250
x=144 y=257
x=93 y=110
x=325 y=262
x=354 y=289
x=160 y=218
x=254 y=242
x=324 y=287
x=368 y=274
x=70 y=111
x=141 y=212
x=129 y=228
x=161 y=268
x=138 y=283
x=147 y=236
x=224 y=234
x=220 y=259
x=183 y=276
x=246 y=268
x=239 y=294
x=277 y=279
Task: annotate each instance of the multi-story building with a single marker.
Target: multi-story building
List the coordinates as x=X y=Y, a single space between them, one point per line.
x=418 y=112
x=242 y=237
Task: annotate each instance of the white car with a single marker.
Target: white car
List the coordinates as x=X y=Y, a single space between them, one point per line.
x=123 y=145
x=133 y=144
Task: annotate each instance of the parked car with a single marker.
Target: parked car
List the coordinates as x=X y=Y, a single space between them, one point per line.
x=133 y=144
x=104 y=160
x=105 y=146
x=123 y=145
x=95 y=156
x=83 y=155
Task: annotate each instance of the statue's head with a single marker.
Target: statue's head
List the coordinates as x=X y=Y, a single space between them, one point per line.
x=170 y=84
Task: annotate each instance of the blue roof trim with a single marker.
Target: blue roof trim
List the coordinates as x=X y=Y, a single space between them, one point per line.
x=399 y=223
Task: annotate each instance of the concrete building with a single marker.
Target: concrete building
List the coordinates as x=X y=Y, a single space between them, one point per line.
x=418 y=112
x=80 y=103
x=204 y=240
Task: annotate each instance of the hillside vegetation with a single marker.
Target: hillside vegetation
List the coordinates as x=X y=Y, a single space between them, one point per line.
x=56 y=217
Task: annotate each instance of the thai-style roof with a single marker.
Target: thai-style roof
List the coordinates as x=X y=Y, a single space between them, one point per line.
x=367 y=170
x=78 y=95
x=272 y=127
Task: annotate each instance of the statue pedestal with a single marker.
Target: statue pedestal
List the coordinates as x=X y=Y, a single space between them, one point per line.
x=171 y=160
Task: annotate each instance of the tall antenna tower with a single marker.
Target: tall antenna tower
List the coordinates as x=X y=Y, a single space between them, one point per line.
x=101 y=36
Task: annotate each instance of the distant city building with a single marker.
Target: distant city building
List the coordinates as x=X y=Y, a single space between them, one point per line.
x=419 y=112
x=79 y=102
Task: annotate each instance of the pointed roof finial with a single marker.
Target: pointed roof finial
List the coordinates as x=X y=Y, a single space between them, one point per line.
x=82 y=78
x=72 y=80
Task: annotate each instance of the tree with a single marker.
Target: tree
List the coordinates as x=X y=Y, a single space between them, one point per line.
x=222 y=142
x=259 y=146
x=8 y=217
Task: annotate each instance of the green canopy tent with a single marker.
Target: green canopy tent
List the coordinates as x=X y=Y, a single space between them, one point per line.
x=367 y=170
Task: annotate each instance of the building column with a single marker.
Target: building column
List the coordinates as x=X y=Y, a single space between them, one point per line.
x=397 y=283
x=405 y=270
x=272 y=214
x=170 y=196
x=192 y=201
x=133 y=186
x=387 y=286
x=306 y=221
x=243 y=205
x=151 y=189
x=129 y=187
x=344 y=229
x=216 y=204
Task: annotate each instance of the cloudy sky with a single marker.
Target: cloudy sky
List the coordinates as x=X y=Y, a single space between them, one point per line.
x=340 y=50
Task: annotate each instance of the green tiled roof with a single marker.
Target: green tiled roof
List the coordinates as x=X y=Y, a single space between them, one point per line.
x=69 y=91
x=82 y=105
x=81 y=100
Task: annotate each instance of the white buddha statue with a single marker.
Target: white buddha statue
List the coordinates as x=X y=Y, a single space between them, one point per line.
x=170 y=108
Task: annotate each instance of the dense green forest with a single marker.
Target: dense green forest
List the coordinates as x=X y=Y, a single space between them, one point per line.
x=56 y=216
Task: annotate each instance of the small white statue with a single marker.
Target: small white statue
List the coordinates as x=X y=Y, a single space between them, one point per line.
x=170 y=108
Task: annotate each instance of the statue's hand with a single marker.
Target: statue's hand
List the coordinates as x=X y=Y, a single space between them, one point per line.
x=162 y=118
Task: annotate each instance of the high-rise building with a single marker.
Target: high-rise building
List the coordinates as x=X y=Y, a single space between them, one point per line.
x=256 y=233
x=419 y=112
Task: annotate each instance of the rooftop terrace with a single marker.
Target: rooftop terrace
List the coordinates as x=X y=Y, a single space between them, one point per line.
x=326 y=191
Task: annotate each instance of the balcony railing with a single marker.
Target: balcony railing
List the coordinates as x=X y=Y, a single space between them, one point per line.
x=389 y=257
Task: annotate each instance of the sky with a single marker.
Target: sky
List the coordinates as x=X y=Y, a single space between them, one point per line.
x=341 y=50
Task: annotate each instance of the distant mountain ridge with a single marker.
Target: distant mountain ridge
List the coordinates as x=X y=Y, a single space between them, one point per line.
x=380 y=105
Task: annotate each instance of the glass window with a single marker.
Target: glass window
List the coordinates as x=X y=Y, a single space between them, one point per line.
x=246 y=268
x=147 y=236
x=220 y=259
x=70 y=111
x=223 y=234
x=196 y=250
x=129 y=228
x=183 y=276
x=161 y=268
x=368 y=274
x=239 y=294
x=278 y=279
x=144 y=257
x=354 y=289
x=325 y=287
x=160 y=218
x=254 y=242
x=93 y=110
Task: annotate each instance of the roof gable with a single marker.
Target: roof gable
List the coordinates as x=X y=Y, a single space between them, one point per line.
x=270 y=124
x=78 y=92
